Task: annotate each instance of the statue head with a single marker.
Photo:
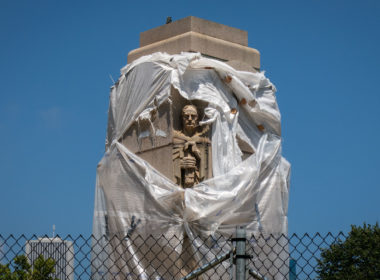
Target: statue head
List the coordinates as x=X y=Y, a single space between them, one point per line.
x=189 y=119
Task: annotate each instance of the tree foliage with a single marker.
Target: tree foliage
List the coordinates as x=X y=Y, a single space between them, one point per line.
x=357 y=257
x=43 y=269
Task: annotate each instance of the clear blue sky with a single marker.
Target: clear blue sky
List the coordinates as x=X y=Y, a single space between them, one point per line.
x=56 y=58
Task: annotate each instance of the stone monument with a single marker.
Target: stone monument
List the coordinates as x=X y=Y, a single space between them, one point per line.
x=190 y=34
x=193 y=149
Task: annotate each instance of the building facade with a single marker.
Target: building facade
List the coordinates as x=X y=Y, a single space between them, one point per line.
x=61 y=251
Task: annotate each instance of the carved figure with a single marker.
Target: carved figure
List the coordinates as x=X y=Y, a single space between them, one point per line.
x=191 y=150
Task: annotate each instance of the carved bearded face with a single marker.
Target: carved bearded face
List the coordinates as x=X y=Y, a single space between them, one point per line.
x=189 y=118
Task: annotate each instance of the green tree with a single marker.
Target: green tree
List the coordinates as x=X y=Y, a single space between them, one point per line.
x=43 y=269
x=357 y=257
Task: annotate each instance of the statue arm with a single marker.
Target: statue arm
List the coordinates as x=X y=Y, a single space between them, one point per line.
x=195 y=150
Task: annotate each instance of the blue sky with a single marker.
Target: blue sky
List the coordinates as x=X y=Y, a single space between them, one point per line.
x=56 y=59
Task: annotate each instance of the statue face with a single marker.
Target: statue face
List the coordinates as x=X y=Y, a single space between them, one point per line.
x=189 y=117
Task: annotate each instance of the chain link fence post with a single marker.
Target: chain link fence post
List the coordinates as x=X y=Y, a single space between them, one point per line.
x=240 y=253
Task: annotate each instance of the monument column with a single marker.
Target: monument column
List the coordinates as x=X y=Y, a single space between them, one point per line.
x=193 y=150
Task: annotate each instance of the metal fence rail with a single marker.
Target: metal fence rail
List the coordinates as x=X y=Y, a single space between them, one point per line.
x=267 y=256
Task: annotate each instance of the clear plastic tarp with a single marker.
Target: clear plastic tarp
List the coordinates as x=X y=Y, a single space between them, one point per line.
x=134 y=199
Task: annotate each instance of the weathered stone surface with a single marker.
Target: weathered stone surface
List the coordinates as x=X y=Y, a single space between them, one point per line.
x=194 y=24
x=160 y=159
x=197 y=35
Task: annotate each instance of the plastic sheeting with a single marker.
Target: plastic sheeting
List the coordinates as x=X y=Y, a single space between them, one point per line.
x=133 y=198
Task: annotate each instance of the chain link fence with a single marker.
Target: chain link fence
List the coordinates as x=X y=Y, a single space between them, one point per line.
x=267 y=256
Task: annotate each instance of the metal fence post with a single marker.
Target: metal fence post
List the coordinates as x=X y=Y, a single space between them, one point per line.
x=240 y=253
x=292 y=269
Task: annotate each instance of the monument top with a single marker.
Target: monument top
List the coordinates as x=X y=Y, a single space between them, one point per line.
x=192 y=34
x=194 y=24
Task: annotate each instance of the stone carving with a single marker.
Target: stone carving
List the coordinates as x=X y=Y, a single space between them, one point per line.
x=191 y=150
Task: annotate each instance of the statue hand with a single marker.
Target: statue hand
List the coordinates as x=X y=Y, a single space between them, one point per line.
x=188 y=143
x=188 y=162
